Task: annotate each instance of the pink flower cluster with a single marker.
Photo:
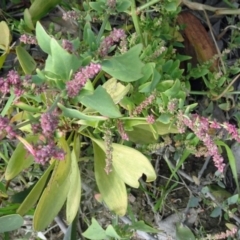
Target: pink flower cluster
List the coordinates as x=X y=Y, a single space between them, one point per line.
x=148 y=101
x=67 y=45
x=115 y=36
x=70 y=15
x=28 y=39
x=80 y=79
x=44 y=152
x=224 y=235
x=47 y=149
x=6 y=128
x=201 y=127
x=49 y=123
x=150 y=119
x=111 y=4
x=121 y=131
x=11 y=81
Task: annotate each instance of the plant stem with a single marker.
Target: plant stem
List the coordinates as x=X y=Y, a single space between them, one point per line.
x=136 y=22
x=146 y=5
x=104 y=23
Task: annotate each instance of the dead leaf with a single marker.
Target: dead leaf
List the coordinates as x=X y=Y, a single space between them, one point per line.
x=198 y=43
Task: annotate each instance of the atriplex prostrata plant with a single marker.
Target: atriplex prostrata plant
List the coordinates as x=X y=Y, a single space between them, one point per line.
x=111 y=87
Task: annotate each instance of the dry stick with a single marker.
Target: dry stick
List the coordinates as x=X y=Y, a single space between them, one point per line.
x=225 y=30
x=227 y=88
x=218 y=51
x=203 y=168
x=61 y=224
x=217 y=11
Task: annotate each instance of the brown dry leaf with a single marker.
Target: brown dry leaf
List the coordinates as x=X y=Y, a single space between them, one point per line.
x=198 y=43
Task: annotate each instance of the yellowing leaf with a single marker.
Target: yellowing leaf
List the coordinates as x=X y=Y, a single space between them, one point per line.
x=5 y=36
x=116 y=90
x=111 y=186
x=129 y=164
x=33 y=196
x=74 y=194
x=55 y=193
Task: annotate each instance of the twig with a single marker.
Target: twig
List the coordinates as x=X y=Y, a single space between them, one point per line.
x=217 y=11
x=227 y=88
x=61 y=224
x=203 y=168
x=213 y=38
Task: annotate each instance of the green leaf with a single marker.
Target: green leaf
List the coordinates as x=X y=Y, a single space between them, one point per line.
x=73 y=113
x=142 y=134
x=163 y=129
x=123 y=6
x=61 y=62
x=43 y=38
x=56 y=191
x=129 y=163
x=10 y=222
x=217 y=211
x=19 y=160
x=110 y=231
x=165 y=118
x=2 y=59
x=3 y=191
x=35 y=193
x=176 y=87
x=142 y=226
x=8 y=104
x=111 y=187
x=25 y=59
x=232 y=162
x=40 y=8
x=183 y=232
x=28 y=19
x=102 y=102
x=126 y=67
x=171 y=6
x=233 y=199
x=99 y=6
x=74 y=194
x=95 y=231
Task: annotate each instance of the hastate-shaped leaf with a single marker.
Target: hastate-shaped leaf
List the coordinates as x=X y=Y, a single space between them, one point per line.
x=95 y=231
x=56 y=191
x=126 y=67
x=111 y=186
x=129 y=164
x=61 y=62
x=102 y=102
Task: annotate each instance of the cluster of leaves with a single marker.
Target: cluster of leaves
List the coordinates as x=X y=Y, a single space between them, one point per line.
x=127 y=103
